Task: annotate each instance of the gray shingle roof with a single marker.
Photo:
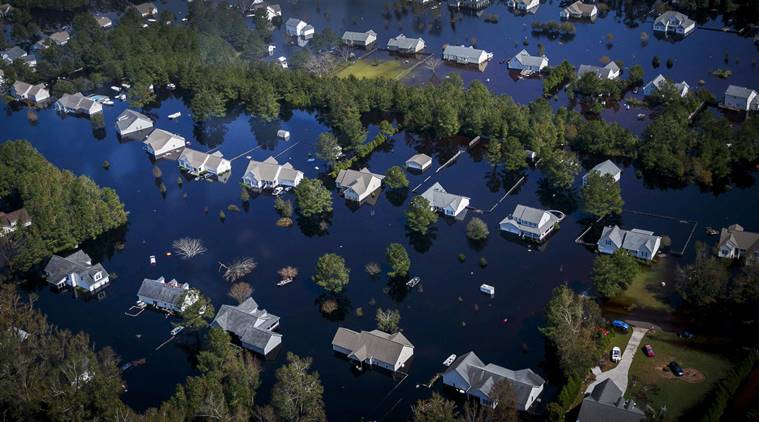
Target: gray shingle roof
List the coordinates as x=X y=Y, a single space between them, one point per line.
x=606 y=403
x=673 y=18
x=172 y=292
x=739 y=91
x=372 y=344
x=251 y=325
x=14 y=53
x=158 y=138
x=526 y=59
x=359 y=37
x=468 y=53
x=601 y=72
x=403 y=43
x=742 y=239
x=128 y=117
x=77 y=263
x=420 y=159
x=606 y=167
x=356 y=180
x=439 y=198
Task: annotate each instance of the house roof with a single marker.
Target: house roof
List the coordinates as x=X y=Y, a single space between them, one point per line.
x=270 y=170
x=580 y=8
x=14 y=53
x=128 y=117
x=402 y=42
x=76 y=101
x=169 y=292
x=78 y=262
x=526 y=59
x=737 y=236
x=606 y=167
x=739 y=91
x=482 y=378
x=158 y=138
x=359 y=36
x=21 y=87
x=438 y=197
x=14 y=217
x=146 y=8
x=294 y=22
x=103 y=21
x=198 y=159
x=375 y=344
x=674 y=18
x=600 y=72
x=358 y=181
x=470 y=53
x=252 y=325
x=605 y=403
x=420 y=159
x=634 y=239
x=60 y=37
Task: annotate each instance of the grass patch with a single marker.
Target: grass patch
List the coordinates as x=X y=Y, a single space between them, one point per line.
x=651 y=385
x=373 y=69
x=645 y=290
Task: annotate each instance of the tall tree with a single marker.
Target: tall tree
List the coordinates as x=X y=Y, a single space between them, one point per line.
x=419 y=215
x=312 y=197
x=398 y=259
x=612 y=274
x=601 y=195
x=297 y=394
x=560 y=169
x=435 y=409
x=395 y=178
x=327 y=148
x=331 y=272
x=704 y=281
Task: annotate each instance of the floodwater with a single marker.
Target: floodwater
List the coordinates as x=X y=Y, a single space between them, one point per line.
x=448 y=315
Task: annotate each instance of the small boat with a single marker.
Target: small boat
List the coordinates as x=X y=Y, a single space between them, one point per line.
x=176 y=330
x=711 y=231
x=449 y=360
x=487 y=289
x=108 y=102
x=285 y=282
x=641 y=116
x=413 y=282
x=140 y=304
x=126 y=85
x=116 y=88
x=171 y=86
x=277 y=191
x=311 y=160
x=152 y=260
x=505 y=320
x=176 y=115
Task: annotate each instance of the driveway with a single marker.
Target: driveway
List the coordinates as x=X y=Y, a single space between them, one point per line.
x=618 y=374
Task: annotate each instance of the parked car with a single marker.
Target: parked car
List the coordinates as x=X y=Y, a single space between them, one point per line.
x=649 y=350
x=618 y=323
x=685 y=334
x=676 y=369
x=616 y=354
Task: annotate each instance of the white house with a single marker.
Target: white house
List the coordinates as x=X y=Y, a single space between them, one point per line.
x=169 y=296
x=735 y=242
x=79 y=104
x=253 y=327
x=524 y=5
x=76 y=270
x=35 y=94
x=442 y=201
x=269 y=174
x=359 y=39
x=675 y=22
x=271 y=11
x=529 y=222
x=132 y=123
x=198 y=163
x=404 y=45
x=523 y=61
x=161 y=142
x=579 y=10
x=611 y=71
x=420 y=162
x=60 y=37
x=12 y=221
x=660 y=82
x=297 y=28
x=641 y=244
x=469 y=375
x=375 y=348
x=605 y=168
x=357 y=185
x=740 y=98
x=465 y=55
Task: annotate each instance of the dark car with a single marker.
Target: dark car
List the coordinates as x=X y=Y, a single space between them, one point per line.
x=649 y=350
x=685 y=334
x=676 y=369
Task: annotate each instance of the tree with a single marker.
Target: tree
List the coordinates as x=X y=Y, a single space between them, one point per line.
x=398 y=259
x=560 y=169
x=395 y=178
x=513 y=154
x=477 y=229
x=704 y=281
x=612 y=274
x=207 y=103
x=297 y=394
x=327 y=148
x=197 y=316
x=493 y=153
x=238 y=269
x=331 y=273
x=187 y=247
x=435 y=409
x=388 y=320
x=419 y=215
x=240 y=292
x=433 y=63
x=312 y=197
x=288 y=273
x=284 y=207
x=601 y=195
x=372 y=268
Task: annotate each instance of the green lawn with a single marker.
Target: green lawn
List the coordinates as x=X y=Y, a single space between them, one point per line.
x=371 y=69
x=648 y=384
x=618 y=339
x=645 y=290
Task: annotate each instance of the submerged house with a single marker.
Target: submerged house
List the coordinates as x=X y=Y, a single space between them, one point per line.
x=12 y=54
x=442 y=201
x=76 y=270
x=674 y=22
x=78 y=104
x=735 y=242
x=359 y=39
x=607 y=403
x=271 y=11
x=660 y=82
x=579 y=10
x=605 y=168
x=641 y=244
x=474 y=378
x=169 y=296
x=60 y=37
x=469 y=4
x=12 y=221
x=524 y=5
x=357 y=185
x=146 y=10
x=374 y=348
x=740 y=99
x=254 y=327
x=198 y=163
x=611 y=71
x=465 y=55
x=269 y=174
x=529 y=222
x=524 y=62
x=420 y=162
x=295 y=27
x=5 y=10
x=35 y=94
x=161 y=142
x=404 y=45
x=132 y=123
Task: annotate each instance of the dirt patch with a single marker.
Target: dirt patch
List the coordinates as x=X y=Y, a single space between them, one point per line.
x=691 y=376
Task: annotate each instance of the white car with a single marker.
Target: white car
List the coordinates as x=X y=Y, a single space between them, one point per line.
x=616 y=354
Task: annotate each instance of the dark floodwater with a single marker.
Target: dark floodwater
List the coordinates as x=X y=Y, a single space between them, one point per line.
x=434 y=320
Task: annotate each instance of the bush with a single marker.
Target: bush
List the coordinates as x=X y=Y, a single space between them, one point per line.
x=477 y=229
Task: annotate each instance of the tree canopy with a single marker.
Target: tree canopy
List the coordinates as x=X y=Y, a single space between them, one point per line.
x=331 y=272
x=312 y=197
x=419 y=215
x=601 y=195
x=612 y=274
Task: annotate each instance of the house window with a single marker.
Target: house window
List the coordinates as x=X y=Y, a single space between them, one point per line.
x=98 y=275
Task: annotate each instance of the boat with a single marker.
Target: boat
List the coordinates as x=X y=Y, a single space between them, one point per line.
x=176 y=330
x=711 y=231
x=487 y=289
x=171 y=86
x=277 y=191
x=152 y=260
x=449 y=360
x=126 y=85
x=140 y=304
x=641 y=116
x=413 y=282
x=108 y=102
x=285 y=282
x=176 y=115
x=116 y=88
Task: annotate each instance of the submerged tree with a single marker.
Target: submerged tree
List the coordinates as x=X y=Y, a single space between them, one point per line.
x=601 y=195
x=477 y=229
x=240 y=292
x=398 y=259
x=388 y=320
x=435 y=409
x=298 y=393
x=238 y=269
x=612 y=274
x=187 y=247
x=331 y=272
x=395 y=178
x=288 y=273
x=313 y=198
x=420 y=215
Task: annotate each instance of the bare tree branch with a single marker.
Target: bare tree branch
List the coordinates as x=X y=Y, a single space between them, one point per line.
x=187 y=247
